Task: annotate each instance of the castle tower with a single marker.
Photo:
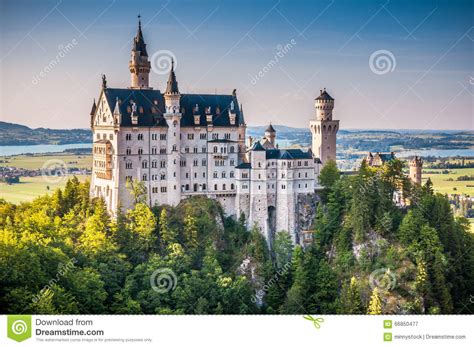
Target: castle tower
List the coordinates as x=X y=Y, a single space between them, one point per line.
x=416 y=164
x=139 y=65
x=324 y=128
x=173 y=119
x=270 y=134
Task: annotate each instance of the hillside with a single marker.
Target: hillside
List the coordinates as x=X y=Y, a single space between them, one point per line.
x=19 y=135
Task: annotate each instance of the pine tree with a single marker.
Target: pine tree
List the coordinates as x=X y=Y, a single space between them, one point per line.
x=375 y=304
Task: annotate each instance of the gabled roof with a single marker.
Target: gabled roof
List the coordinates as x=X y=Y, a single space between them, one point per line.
x=150 y=105
x=257 y=146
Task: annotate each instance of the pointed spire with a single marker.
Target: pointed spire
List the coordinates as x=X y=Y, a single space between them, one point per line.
x=94 y=107
x=172 y=85
x=138 y=41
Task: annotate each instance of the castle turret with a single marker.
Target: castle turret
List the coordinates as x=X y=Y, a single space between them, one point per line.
x=270 y=134
x=173 y=119
x=139 y=65
x=324 y=128
x=416 y=165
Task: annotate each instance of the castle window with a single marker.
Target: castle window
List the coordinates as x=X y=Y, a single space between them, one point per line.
x=204 y=162
x=215 y=149
x=140 y=151
x=144 y=177
x=144 y=164
x=175 y=148
x=163 y=189
x=154 y=164
x=223 y=186
x=182 y=163
x=187 y=187
x=162 y=177
x=299 y=174
x=128 y=151
x=195 y=187
x=98 y=136
x=231 y=150
x=305 y=163
x=223 y=174
x=227 y=136
x=232 y=162
x=163 y=163
x=190 y=136
x=153 y=150
x=186 y=149
x=163 y=150
x=245 y=175
x=111 y=136
x=195 y=149
x=215 y=175
x=153 y=136
x=128 y=165
x=195 y=162
x=187 y=175
x=162 y=136
x=140 y=137
x=232 y=174
x=215 y=186
x=306 y=174
x=258 y=187
x=232 y=187
x=204 y=186
x=203 y=175
x=283 y=186
x=203 y=149
x=259 y=164
x=203 y=136
x=215 y=136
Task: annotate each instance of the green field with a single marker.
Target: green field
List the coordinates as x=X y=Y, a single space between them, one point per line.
x=37 y=161
x=31 y=187
x=442 y=185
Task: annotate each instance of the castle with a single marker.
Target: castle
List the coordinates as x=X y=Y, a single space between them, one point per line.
x=181 y=145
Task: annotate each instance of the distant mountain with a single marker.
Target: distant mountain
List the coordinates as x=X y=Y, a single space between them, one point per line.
x=12 y=134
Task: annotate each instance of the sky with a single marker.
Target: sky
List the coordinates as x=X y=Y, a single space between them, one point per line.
x=389 y=64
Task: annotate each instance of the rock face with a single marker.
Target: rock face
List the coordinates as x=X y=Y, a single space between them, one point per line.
x=306 y=206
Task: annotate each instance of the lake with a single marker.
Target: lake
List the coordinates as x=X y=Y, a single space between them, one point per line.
x=15 y=150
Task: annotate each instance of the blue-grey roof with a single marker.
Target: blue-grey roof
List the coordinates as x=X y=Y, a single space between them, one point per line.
x=244 y=166
x=257 y=146
x=288 y=154
x=324 y=96
x=152 y=103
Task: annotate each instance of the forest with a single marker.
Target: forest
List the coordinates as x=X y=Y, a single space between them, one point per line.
x=63 y=254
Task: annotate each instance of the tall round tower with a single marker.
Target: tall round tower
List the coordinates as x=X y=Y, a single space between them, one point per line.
x=324 y=128
x=416 y=165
